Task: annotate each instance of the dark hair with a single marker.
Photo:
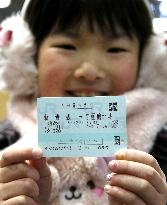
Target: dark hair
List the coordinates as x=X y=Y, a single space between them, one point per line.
x=133 y=16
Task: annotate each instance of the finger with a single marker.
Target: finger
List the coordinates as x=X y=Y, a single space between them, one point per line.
x=11 y=156
x=42 y=167
x=139 y=170
x=136 y=185
x=18 y=171
x=141 y=157
x=20 y=200
x=45 y=176
x=123 y=196
x=27 y=187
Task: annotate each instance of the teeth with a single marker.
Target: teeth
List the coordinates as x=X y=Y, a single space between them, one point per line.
x=86 y=94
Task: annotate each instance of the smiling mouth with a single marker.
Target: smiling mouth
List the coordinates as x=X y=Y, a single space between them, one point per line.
x=86 y=93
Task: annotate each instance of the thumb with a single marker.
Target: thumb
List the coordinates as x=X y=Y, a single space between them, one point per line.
x=41 y=166
x=45 y=181
x=40 y=163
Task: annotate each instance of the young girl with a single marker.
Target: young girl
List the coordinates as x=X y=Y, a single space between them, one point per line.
x=86 y=48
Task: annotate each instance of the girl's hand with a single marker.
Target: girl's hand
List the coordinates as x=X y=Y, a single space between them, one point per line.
x=25 y=178
x=136 y=178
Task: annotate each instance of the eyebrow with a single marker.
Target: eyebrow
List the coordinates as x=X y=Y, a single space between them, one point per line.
x=68 y=33
x=117 y=36
x=76 y=34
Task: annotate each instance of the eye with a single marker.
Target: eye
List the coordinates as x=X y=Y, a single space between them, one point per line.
x=91 y=184
x=66 y=46
x=116 y=50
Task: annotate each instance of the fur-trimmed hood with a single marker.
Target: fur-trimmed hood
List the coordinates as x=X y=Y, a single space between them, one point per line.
x=18 y=73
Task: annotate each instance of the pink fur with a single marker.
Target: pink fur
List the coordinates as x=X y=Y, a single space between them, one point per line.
x=153 y=72
x=146 y=116
x=5 y=37
x=146 y=105
x=77 y=172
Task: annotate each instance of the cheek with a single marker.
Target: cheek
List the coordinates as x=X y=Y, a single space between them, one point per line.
x=54 y=73
x=125 y=75
x=52 y=76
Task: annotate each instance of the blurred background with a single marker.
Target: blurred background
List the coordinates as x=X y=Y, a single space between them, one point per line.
x=159 y=10
x=8 y=7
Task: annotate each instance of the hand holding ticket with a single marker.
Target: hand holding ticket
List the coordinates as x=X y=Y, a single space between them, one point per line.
x=81 y=126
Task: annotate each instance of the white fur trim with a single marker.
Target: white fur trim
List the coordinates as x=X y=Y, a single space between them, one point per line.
x=146 y=116
x=18 y=73
x=154 y=64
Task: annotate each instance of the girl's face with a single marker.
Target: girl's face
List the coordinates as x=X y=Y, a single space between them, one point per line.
x=84 y=63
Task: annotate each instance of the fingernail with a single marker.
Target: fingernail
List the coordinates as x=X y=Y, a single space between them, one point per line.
x=37 y=153
x=109 y=176
x=113 y=165
x=120 y=155
x=107 y=188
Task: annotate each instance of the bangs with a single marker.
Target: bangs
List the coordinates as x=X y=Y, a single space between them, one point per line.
x=106 y=15
x=93 y=12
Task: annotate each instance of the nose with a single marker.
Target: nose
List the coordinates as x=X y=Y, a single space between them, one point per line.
x=73 y=188
x=89 y=72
